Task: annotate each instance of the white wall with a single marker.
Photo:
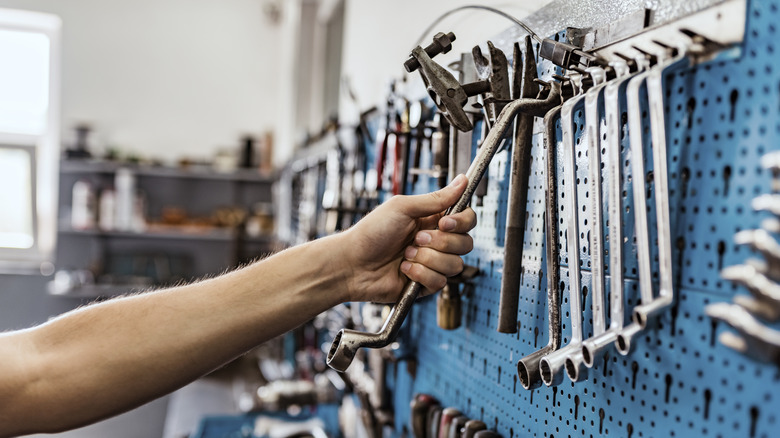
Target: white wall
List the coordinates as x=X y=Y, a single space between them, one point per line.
x=167 y=78
x=380 y=34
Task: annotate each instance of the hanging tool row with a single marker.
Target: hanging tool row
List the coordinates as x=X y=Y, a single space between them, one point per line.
x=750 y=315
x=626 y=87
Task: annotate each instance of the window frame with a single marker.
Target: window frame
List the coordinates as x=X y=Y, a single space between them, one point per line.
x=44 y=153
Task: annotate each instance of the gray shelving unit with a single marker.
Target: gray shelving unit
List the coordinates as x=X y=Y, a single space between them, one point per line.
x=181 y=253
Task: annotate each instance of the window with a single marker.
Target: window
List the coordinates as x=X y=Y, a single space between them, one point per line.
x=29 y=139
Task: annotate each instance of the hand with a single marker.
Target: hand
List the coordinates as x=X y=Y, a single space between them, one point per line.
x=399 y=241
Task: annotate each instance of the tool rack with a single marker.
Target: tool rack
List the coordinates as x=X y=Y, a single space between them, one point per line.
x=722 y=116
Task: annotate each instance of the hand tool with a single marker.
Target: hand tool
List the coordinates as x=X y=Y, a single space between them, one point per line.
x=641 y=227
x=434 y=419
x=447 y=416
x=770 y=203
x=520 y=170
x=650 y=306
x=471 y=428
x=419 y=413
x=771 y=162
x=595 y=346
x=495 y=72
x=449 y=95
x=457 y=425
x=448 y=302
x=755 y=339
x=528 y=366
x=765 y=291
x=461 y=143
x=763 y=242
x=551 y=365
x=655 y=101
x=440 y=148
x=347 y=342
x=575 y=368
x=487 y=434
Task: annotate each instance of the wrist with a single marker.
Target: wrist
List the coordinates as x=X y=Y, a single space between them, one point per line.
x=338 y=265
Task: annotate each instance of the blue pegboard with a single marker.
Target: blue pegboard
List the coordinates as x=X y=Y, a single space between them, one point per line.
x=722 y=116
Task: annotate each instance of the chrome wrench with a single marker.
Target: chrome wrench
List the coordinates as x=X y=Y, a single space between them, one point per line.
x=592 y=348
x=550 y=366
x=651 y=306
x=593 y=102
x=347 y=342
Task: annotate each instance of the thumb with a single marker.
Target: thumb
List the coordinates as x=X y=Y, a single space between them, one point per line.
x=435 y=202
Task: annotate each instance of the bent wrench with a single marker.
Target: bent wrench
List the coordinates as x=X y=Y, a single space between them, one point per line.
x=528 y=366
x=650 y=306
x=347 y=342
x=550 y=366
x=595 y=346
x=593 y=101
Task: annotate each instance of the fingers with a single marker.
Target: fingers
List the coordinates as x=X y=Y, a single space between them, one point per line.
x=444 y=264
x=430 y=279
x=447 y=243
x=461 y=222
x=418 y=206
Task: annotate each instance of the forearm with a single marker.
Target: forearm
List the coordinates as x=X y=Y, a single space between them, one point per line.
x=109 y=357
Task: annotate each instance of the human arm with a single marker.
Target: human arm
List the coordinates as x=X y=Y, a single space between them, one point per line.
x=106 y=358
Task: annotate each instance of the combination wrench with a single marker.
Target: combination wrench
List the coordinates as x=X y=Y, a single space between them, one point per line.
x=347 y=342
x=593 y=101
x=592 y=348
x=551 y=365
x=528 y=366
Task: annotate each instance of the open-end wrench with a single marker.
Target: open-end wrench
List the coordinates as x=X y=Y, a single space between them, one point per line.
x=347 y=342
x=655 y=101
x=551 y=365
x=595 y=346
x=520 y=169
x=755 y=339
x=763 y=242
x=528 y=366
x=575 y=368
x=770 y=203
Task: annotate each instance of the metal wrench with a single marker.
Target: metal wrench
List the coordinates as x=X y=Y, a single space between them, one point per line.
x=755 y=339
x=651 y=306
x=595 y=346
x=763 y=242
x=593 y=100
x=655 y=100
x=641 y=227
x=551 y=365
x=518 y=194
x=528 y=366
x=347 y=342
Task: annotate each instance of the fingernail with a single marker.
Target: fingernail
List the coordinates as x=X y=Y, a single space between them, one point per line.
x=422 y=238
x=447 y=223
x=457 y=179
x=410 y=252
x=406 y=266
